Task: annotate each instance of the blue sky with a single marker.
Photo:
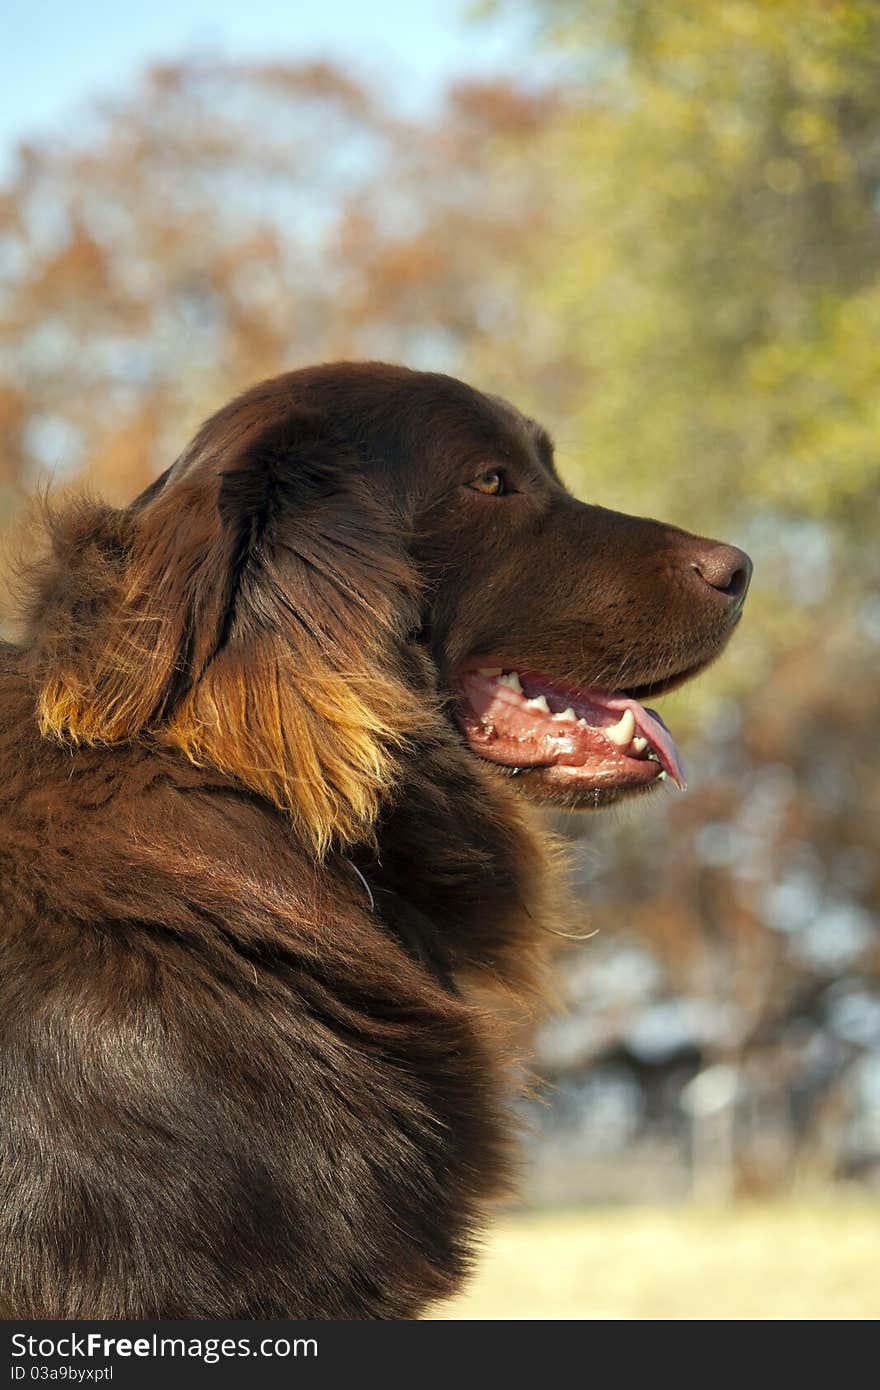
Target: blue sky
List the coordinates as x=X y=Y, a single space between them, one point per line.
x=59 y=53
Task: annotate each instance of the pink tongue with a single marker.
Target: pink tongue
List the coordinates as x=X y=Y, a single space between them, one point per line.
x=651 y=726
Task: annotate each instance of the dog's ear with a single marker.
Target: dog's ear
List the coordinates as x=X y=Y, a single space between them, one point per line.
x=251 y=609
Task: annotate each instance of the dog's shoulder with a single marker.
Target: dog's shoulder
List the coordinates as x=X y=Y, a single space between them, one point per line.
x=97 y=834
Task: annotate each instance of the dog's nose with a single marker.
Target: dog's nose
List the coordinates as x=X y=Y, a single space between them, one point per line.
x=726 y=569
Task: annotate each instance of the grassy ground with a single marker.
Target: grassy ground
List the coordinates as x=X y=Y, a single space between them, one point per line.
x=787 y=1261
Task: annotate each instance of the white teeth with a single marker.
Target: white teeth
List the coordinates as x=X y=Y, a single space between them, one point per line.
x=490 y=670
x=567 y=715
x=640 y=744
x=661 y=776
x=622 y=732
x=511 y=680
x=540 y=702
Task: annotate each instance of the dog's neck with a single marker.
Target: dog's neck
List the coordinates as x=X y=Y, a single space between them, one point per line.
x=461 y=872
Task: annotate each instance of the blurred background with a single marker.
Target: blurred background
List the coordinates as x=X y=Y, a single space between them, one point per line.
x=657 y=228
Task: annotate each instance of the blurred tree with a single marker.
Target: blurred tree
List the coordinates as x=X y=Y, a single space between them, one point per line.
x=228 y=221
x=703 y=305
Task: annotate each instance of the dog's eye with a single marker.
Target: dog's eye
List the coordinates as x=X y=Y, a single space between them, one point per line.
x=493 y=484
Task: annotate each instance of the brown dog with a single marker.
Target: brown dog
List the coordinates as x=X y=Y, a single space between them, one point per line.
x=266 y=754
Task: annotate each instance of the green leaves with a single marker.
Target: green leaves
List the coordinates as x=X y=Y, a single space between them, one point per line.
x=713 y=266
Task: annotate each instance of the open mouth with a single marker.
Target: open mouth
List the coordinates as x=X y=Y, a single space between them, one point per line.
x=585 y=739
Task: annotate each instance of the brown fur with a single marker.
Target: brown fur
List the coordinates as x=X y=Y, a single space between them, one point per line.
x=253 y=878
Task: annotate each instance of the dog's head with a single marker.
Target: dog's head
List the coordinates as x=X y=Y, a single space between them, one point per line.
x=344 y=551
